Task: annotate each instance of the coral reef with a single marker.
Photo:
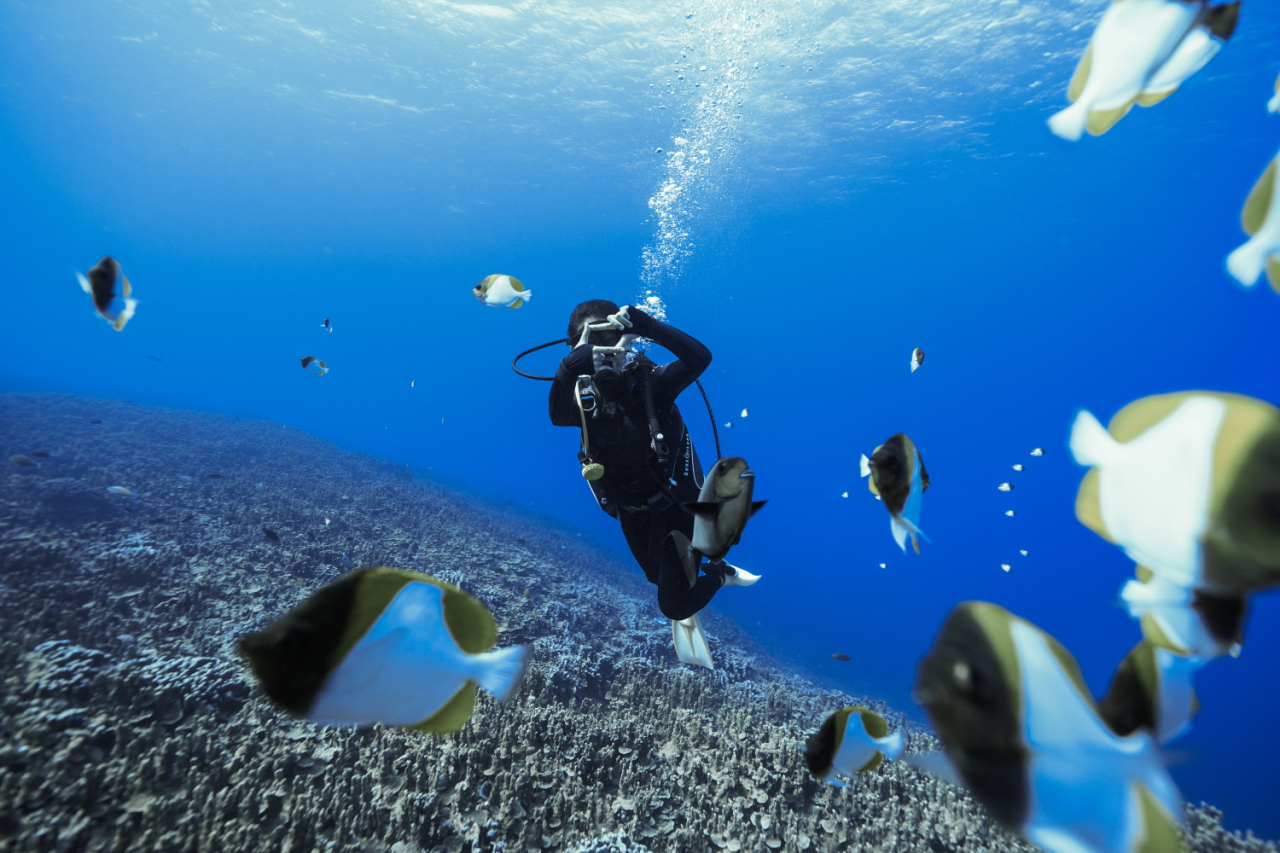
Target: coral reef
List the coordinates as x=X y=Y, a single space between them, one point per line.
x=127 y=721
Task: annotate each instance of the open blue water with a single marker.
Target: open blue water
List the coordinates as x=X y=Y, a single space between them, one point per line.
x=876 y=177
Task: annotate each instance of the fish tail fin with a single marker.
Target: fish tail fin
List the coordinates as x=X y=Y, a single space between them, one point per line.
x=902 y=528
x=900 y=532
x=502 y=670
x=1069 y=124
x=892 y=745
x=526 y=295
x=1246 y=263
x=1090 y=443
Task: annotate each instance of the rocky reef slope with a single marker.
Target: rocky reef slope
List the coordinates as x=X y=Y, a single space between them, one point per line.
x=127 y=721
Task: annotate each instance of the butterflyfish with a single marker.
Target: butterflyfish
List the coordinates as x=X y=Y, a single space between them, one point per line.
x=852 y=741
x=917 y=359
x=1260 y=219
x=898 y=477
x=1005 y=487
x=1184 y=621
x=1186 y=484
x=840 y=656
x=502 y=291
x=111 y=292
x=1140 y=53
x=325 y=325
x=1019 y=467
x=1021 y=732
x=1038 y=451
x=1151 y=690
x=311 y=364
x=384 y=645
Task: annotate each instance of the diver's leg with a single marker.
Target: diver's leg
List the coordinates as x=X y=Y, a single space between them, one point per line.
x=635 y=526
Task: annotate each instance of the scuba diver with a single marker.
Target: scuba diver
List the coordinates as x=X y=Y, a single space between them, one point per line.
x=637 y=454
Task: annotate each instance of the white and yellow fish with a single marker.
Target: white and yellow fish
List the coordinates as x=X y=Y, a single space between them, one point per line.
x=852 y=741
x=111 y=292
x=1140 y=52
x=311 y=364
x=1020 y=730
x=384 y=645
x=1260 y=219
x=502 y=291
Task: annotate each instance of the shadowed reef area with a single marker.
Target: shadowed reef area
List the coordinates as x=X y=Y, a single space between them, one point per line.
x=128 y=722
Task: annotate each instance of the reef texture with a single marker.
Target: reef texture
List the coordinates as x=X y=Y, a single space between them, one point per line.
x=128 y=722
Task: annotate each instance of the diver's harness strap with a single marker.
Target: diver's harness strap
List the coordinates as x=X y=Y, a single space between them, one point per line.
x=591 y=470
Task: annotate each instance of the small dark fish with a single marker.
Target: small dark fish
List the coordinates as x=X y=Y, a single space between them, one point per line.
x=325 y=325
x=271 y=534
x=190 y=516
x=22 y=460
x=839 y=656
x=347 y=562
x=153 y=358
x=214 y=476
x=40 y=453
x=94 y=421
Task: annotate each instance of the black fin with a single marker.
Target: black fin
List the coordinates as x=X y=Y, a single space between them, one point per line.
x=756 y=507
x=705 y=509
x=1222 y=20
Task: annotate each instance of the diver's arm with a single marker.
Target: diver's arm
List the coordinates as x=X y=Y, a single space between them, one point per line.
x=564 y=410
x=692 y=356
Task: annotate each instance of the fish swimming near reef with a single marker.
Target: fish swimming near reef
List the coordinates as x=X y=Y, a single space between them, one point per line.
x=121 y=490
x=898 y=477
x=1151 y=690
x=111 y=292
x=502 y=291
x=723 y=508
x=271 y=534
x=23 y=461
x=1140 y=53
x=1021 y=732
x=852 y=741
x=1260 y=219
x=384 y=645
x=840 y=656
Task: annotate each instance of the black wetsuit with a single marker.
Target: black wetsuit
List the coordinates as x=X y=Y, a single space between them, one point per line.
x=643 y=495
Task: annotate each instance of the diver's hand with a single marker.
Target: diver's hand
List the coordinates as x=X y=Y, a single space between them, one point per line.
x=620 y=320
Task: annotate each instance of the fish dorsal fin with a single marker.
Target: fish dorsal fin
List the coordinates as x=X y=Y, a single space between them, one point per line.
x=1089 y=507
x=874 y=724
x=469 y=622
x=757 y=506
x=516 y=284
x=1081 y=77
x=1222 y=20
x=1258 y=204
x=453 y=714
x=1150 y=99
x=1160 y=833
x=1273 y=273
x=1100 y=121
x=126 y=288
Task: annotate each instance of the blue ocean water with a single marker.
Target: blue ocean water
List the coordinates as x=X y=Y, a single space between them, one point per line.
x=811 y=189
